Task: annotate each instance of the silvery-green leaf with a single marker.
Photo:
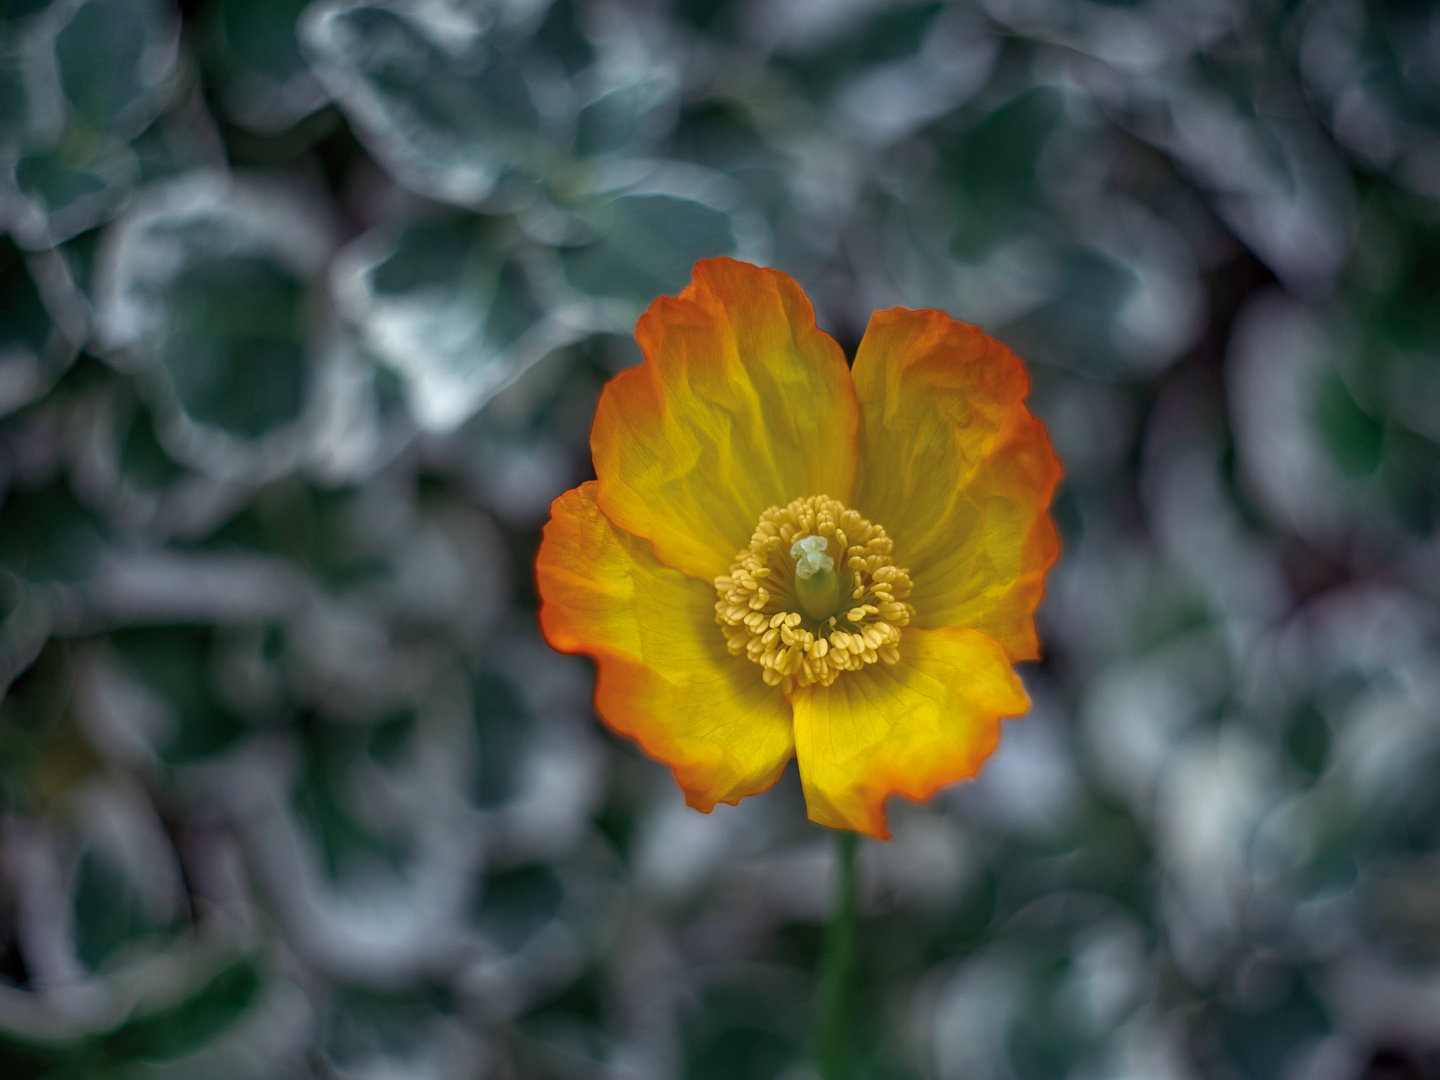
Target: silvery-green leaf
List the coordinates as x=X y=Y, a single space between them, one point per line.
x=267 y=86
x=451 y=306
x=645 y=240
x=1120 y=295
x=630 y=92
x=12 y=91
x=204 y=288
x=650 y=247
x=127 y=883
x=113 y=58
x=27 y=615
x=1277 y=182
x=625 y=115
x=45 y=199
x=1314 y=457
x=95 y=74
x=621 y=77
x=50 y=546
x=183 y=138
x=886 y=102
x=24 y=329
x=64 y=202
x=37 y=343
x=448 y=114
x=1242 y=133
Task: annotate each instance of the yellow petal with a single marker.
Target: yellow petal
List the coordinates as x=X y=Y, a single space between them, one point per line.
x=906 y=728
x=741 y=404
x=663 y=675
x=958 y=472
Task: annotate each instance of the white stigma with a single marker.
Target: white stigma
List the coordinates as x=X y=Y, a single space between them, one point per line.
x=810 y=558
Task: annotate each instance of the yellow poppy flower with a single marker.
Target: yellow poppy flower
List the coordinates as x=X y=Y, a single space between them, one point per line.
x=784 y=557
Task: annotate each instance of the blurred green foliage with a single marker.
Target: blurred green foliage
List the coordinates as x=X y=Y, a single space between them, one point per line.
x=304 y=311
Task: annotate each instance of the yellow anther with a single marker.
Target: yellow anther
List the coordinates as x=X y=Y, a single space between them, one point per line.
x=793 y=632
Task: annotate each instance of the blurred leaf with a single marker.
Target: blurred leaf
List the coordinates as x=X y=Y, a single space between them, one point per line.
x=1264 y=1043
x=391 y=738
x=502 y=725
x=700 y=13
x=101 y=54
x=24 y=331
x=16 y=10
x=1410 y=476
x=450 y=306
x=43 y=755
x=235 y=348
x=12 y=591
x=254 y=46
x=1354 y=439
x=78 y=256
x=177 y=662
x=109 y=910
x=649 y=248
x=449 y=114
x=1078 y=321
x=324 y=802
x=890 y=33
x=1397 y=282
x=23 y=1060
x=262 y=35
x=143 y=460
x=561 y=36
x=516 y=903
x=45 y=534
x=181 y=1028
x=57 y=197
x=73 y=170
x=1044 y=1038
x=364 y=1024
x=25 y=324
x=13 y=111
x=993 y=168
x=207 y=281
x=307 y=526
x=741 y=1054
x=619 y=119
x=1307 y=738
x=740 y=1033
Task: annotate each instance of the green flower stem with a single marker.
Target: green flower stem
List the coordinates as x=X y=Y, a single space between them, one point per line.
x=834 y=1043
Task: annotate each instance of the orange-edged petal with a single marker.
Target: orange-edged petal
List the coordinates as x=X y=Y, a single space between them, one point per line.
x=904 y=728
x=958 y=472
x=663 y=675
x=741 y=404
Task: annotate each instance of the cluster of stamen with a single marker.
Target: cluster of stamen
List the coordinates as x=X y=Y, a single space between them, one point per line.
x=765 y=617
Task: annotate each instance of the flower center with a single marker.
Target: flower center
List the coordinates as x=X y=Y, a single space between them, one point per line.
x=817 y=586
x=816 y=593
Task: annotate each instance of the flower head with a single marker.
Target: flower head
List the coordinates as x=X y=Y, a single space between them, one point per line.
x=781 y=557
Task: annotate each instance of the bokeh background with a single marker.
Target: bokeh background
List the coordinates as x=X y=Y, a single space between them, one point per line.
x=304 y=310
